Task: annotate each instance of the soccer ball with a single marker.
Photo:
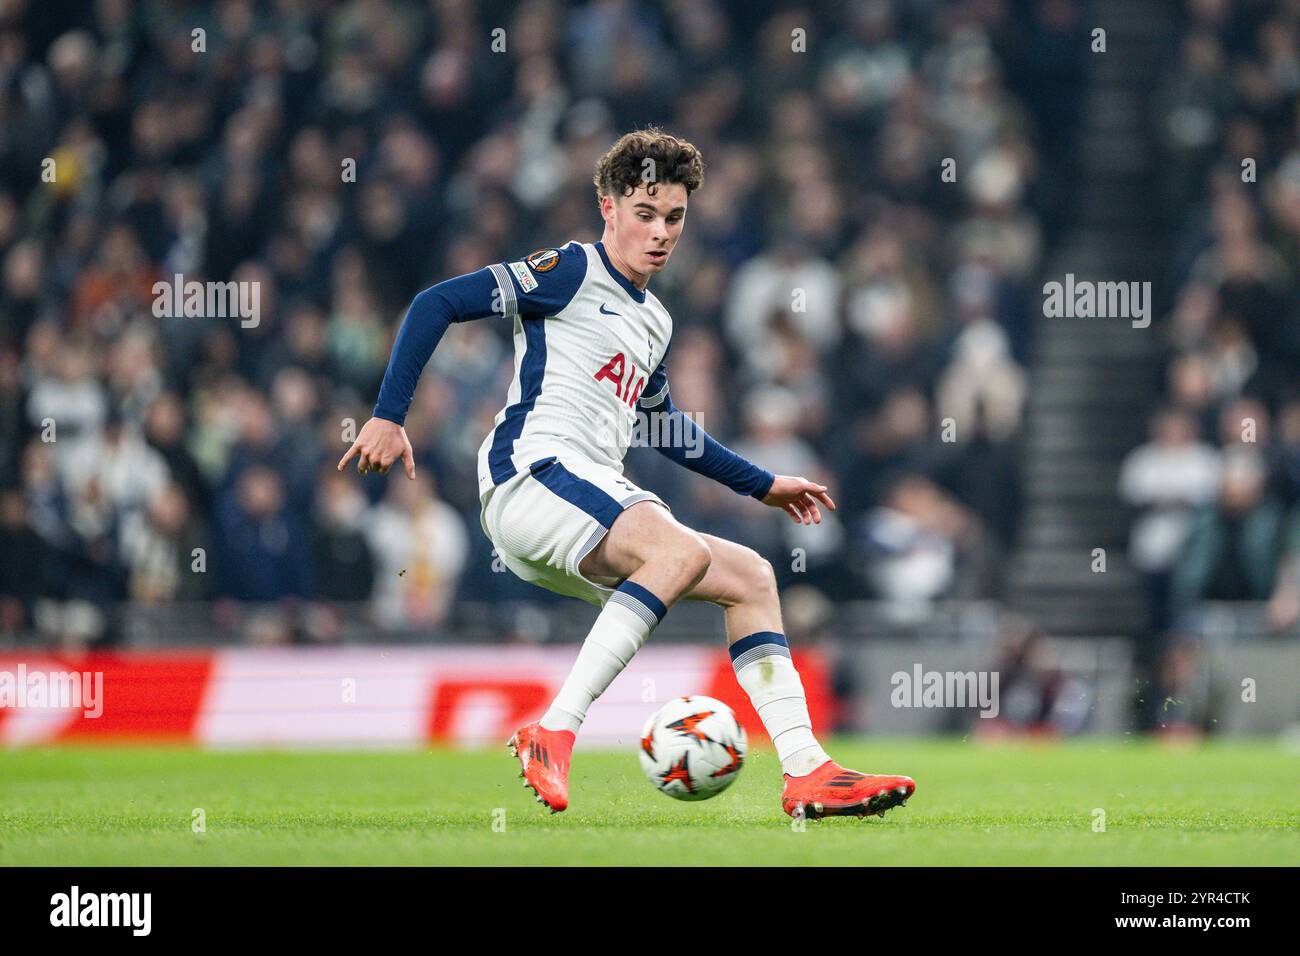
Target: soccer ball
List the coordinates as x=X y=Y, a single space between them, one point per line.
x=693 y=748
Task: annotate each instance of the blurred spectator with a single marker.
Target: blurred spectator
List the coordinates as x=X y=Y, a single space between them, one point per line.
x=790 y=285
x=22 y=566
x=344 y=566
x=420 y=546
x=1284 y=603
x=65 y=399
x=261 y=548
x=164 y=429
x=1285 y=453
x=809 y=553
x=1235 y=545
x=1167 y=480
x=1037 y=695
x=165 y=550
x=921 y=545
x=982 y=384
x=120 y=464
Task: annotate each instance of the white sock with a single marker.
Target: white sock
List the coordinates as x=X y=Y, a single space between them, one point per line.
x=622 y=627
x=765 y=671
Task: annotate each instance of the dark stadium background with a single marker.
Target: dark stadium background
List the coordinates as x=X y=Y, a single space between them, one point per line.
x=923 y=303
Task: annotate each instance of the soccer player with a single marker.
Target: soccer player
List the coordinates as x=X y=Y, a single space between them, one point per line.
x=591 y=346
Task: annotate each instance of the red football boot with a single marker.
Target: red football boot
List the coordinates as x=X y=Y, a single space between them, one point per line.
x=832 y=791
x=544 y=757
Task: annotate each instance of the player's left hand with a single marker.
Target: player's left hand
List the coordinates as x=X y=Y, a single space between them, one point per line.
x=798 y=497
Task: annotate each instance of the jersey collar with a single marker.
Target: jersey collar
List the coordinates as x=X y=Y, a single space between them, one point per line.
x=629 y=288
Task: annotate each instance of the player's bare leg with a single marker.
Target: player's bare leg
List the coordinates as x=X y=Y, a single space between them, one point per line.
x=659 y=560
x=648 y=545
x=743 y=583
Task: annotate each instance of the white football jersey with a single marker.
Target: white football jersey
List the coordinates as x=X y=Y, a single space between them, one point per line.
x=589 y=351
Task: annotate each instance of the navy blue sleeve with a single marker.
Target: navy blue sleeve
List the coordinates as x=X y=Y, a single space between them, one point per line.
x=471 y=296
x=542 y=283
x=715 y=460
x=656 y=389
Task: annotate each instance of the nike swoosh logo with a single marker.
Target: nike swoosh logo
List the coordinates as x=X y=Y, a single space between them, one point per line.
x=605 y=311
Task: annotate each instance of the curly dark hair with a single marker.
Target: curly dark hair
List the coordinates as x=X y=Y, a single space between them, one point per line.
x=625 y=166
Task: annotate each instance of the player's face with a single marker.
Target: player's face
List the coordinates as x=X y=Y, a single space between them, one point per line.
x=645 y=228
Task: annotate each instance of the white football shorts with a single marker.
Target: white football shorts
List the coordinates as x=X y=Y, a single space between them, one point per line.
x=545 y=520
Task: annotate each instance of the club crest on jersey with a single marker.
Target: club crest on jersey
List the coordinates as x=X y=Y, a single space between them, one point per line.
x=627 y=383
x=543 y=260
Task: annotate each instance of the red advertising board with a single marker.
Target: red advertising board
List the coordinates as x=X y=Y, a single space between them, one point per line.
x=350 y=697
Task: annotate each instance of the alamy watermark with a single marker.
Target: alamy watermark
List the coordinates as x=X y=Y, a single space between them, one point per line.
x=213 y=300
x=956 y=689
x=53 y=690
x=657 y=429
x=1085 y=299
x=130 y=910
x=678 y=430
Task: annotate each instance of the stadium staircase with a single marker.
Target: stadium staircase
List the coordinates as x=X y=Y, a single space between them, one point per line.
x=1093 y=380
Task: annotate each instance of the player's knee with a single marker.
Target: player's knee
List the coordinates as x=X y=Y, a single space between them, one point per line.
x=757 y=576
x=687 y=553
x=762 y=575
x=698 y=557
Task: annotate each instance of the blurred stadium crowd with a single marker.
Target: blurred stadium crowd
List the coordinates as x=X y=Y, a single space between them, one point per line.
x=1217 y=488
x=229 y=164
x=233 y=163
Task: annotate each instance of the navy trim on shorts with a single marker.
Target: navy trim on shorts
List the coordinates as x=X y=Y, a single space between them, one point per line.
x=576 y=491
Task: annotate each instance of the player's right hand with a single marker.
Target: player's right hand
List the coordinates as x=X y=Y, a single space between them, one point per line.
x=380 y=443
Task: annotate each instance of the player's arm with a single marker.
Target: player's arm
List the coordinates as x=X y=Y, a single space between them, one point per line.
x=542 y=284
x=798 y=497
x=383 y=440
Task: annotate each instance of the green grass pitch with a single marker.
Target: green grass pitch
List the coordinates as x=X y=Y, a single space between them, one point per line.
x=1221 y=804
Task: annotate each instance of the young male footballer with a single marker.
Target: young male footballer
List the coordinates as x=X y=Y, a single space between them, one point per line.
x=591 y=347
